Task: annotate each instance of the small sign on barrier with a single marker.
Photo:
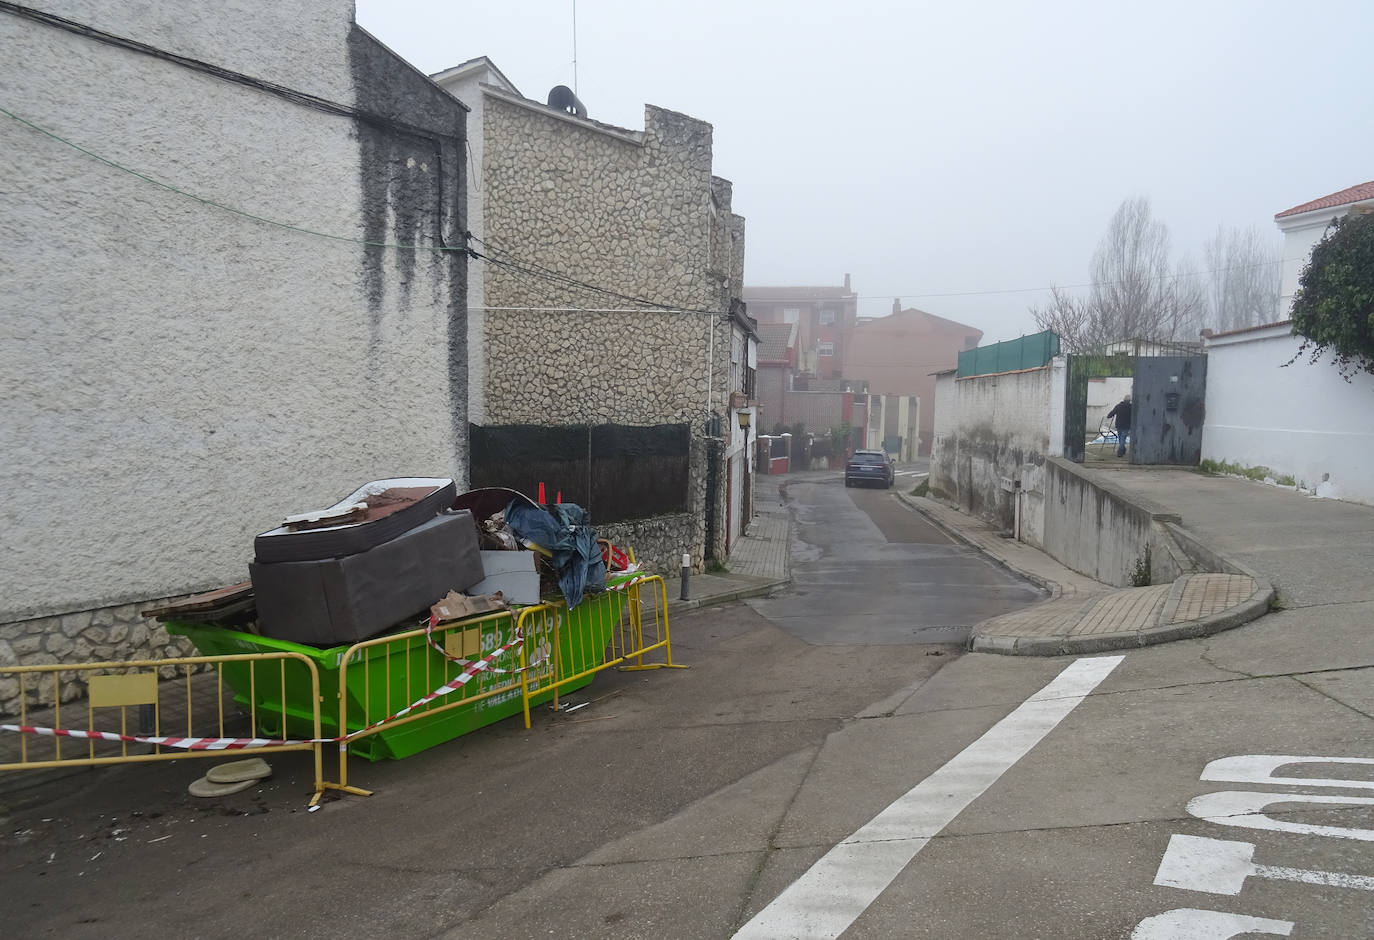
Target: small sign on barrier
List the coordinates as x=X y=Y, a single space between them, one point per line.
x=136 y=688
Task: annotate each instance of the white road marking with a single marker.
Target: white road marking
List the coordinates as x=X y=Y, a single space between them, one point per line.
x=1259 y=769
x=1190 y=923
x=831 y=895
x=1218 y=866
x=1245 y=808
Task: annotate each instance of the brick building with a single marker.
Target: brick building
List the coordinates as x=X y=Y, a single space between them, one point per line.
x=899 y=355
x=823 y=317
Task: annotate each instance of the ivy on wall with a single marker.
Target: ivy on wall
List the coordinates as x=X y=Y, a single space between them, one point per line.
x=1333 y=309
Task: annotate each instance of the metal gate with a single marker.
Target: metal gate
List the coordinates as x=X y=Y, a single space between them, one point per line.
x=1170 y=395
x=1080 y=369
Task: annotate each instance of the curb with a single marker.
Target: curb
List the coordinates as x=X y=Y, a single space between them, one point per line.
x=753 y=590
x=1055 y=589
x=1253 y=607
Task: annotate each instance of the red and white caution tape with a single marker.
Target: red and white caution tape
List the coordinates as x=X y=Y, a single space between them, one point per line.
x=457 y=682
x=433 y=622
x=189 y=744
x=237 y=744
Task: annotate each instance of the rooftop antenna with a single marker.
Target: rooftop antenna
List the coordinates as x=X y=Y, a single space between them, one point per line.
x=574 y=6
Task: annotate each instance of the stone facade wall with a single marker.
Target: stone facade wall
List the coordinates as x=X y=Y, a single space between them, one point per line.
x=628 y=213
x=637 y=214
x=179 y=376
x=105 y=635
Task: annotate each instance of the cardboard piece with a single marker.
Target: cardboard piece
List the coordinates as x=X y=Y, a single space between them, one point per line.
x=457 y=606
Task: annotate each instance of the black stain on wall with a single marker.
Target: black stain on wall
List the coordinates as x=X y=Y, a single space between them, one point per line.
x=412 y=193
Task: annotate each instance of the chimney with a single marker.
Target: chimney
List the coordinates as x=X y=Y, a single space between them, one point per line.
x=847 y=288
x=896 y=305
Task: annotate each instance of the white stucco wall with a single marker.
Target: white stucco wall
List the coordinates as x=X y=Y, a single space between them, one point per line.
x=297 y=45
x=1303 y=420
x=991 y=430
x=174 y=377
x=466 y=85
x=1103 y=396
x=1300 y=235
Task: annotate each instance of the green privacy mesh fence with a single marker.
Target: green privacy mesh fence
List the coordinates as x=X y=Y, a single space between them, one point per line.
x=1028 y=352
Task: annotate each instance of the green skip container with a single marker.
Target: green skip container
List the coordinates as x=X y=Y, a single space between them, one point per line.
x=383 y=679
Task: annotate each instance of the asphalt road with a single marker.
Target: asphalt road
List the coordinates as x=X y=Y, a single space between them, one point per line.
x=868 y=570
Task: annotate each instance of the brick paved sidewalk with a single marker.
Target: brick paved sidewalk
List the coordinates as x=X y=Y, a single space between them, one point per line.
x=759 y=562
x=764 y=551
x=1121 y=618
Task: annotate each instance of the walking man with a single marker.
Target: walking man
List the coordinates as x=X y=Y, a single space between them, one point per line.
x=1122 y=414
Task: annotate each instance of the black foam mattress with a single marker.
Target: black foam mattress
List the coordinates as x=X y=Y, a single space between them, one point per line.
x=332 y=601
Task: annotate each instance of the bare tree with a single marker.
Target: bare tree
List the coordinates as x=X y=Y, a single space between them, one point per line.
x=1242 y=285
x=1068 y=316
x=1136 y=293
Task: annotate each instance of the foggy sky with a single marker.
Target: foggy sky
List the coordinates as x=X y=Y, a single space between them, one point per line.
x=938 y=148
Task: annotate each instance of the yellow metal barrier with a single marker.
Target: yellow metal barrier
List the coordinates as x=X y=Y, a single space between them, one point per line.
x=575 y=657
x=389 y=682
x=394 y=689
x=111 y=686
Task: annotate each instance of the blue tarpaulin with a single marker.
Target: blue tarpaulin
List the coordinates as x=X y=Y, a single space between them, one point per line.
x=565 y=530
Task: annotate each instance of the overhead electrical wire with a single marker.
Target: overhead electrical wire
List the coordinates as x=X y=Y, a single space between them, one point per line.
x=229 y=75
x=433 y=137
x=214 y=203
x=1091 y=284
x=527 y=270
x=505 y=259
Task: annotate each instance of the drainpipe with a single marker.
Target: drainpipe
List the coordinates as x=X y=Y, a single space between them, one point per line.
x=710 y=362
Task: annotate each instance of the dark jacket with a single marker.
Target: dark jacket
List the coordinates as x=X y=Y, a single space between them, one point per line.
x=1122 y=414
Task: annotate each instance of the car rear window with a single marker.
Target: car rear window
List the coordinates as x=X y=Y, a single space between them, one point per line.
x=876 y=459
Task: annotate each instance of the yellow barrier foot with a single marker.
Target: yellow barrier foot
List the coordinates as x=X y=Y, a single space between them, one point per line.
x=356 y=791
x=653 y=666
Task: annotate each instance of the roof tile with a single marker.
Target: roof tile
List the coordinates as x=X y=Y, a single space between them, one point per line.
x=1357 y=193
x=774 y=341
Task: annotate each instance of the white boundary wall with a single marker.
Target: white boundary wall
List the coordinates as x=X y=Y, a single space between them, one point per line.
x=1303 y=420
x=992 y=431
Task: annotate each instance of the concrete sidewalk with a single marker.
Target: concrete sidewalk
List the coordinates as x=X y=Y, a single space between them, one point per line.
x=759 y=563
x=1086 y=616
